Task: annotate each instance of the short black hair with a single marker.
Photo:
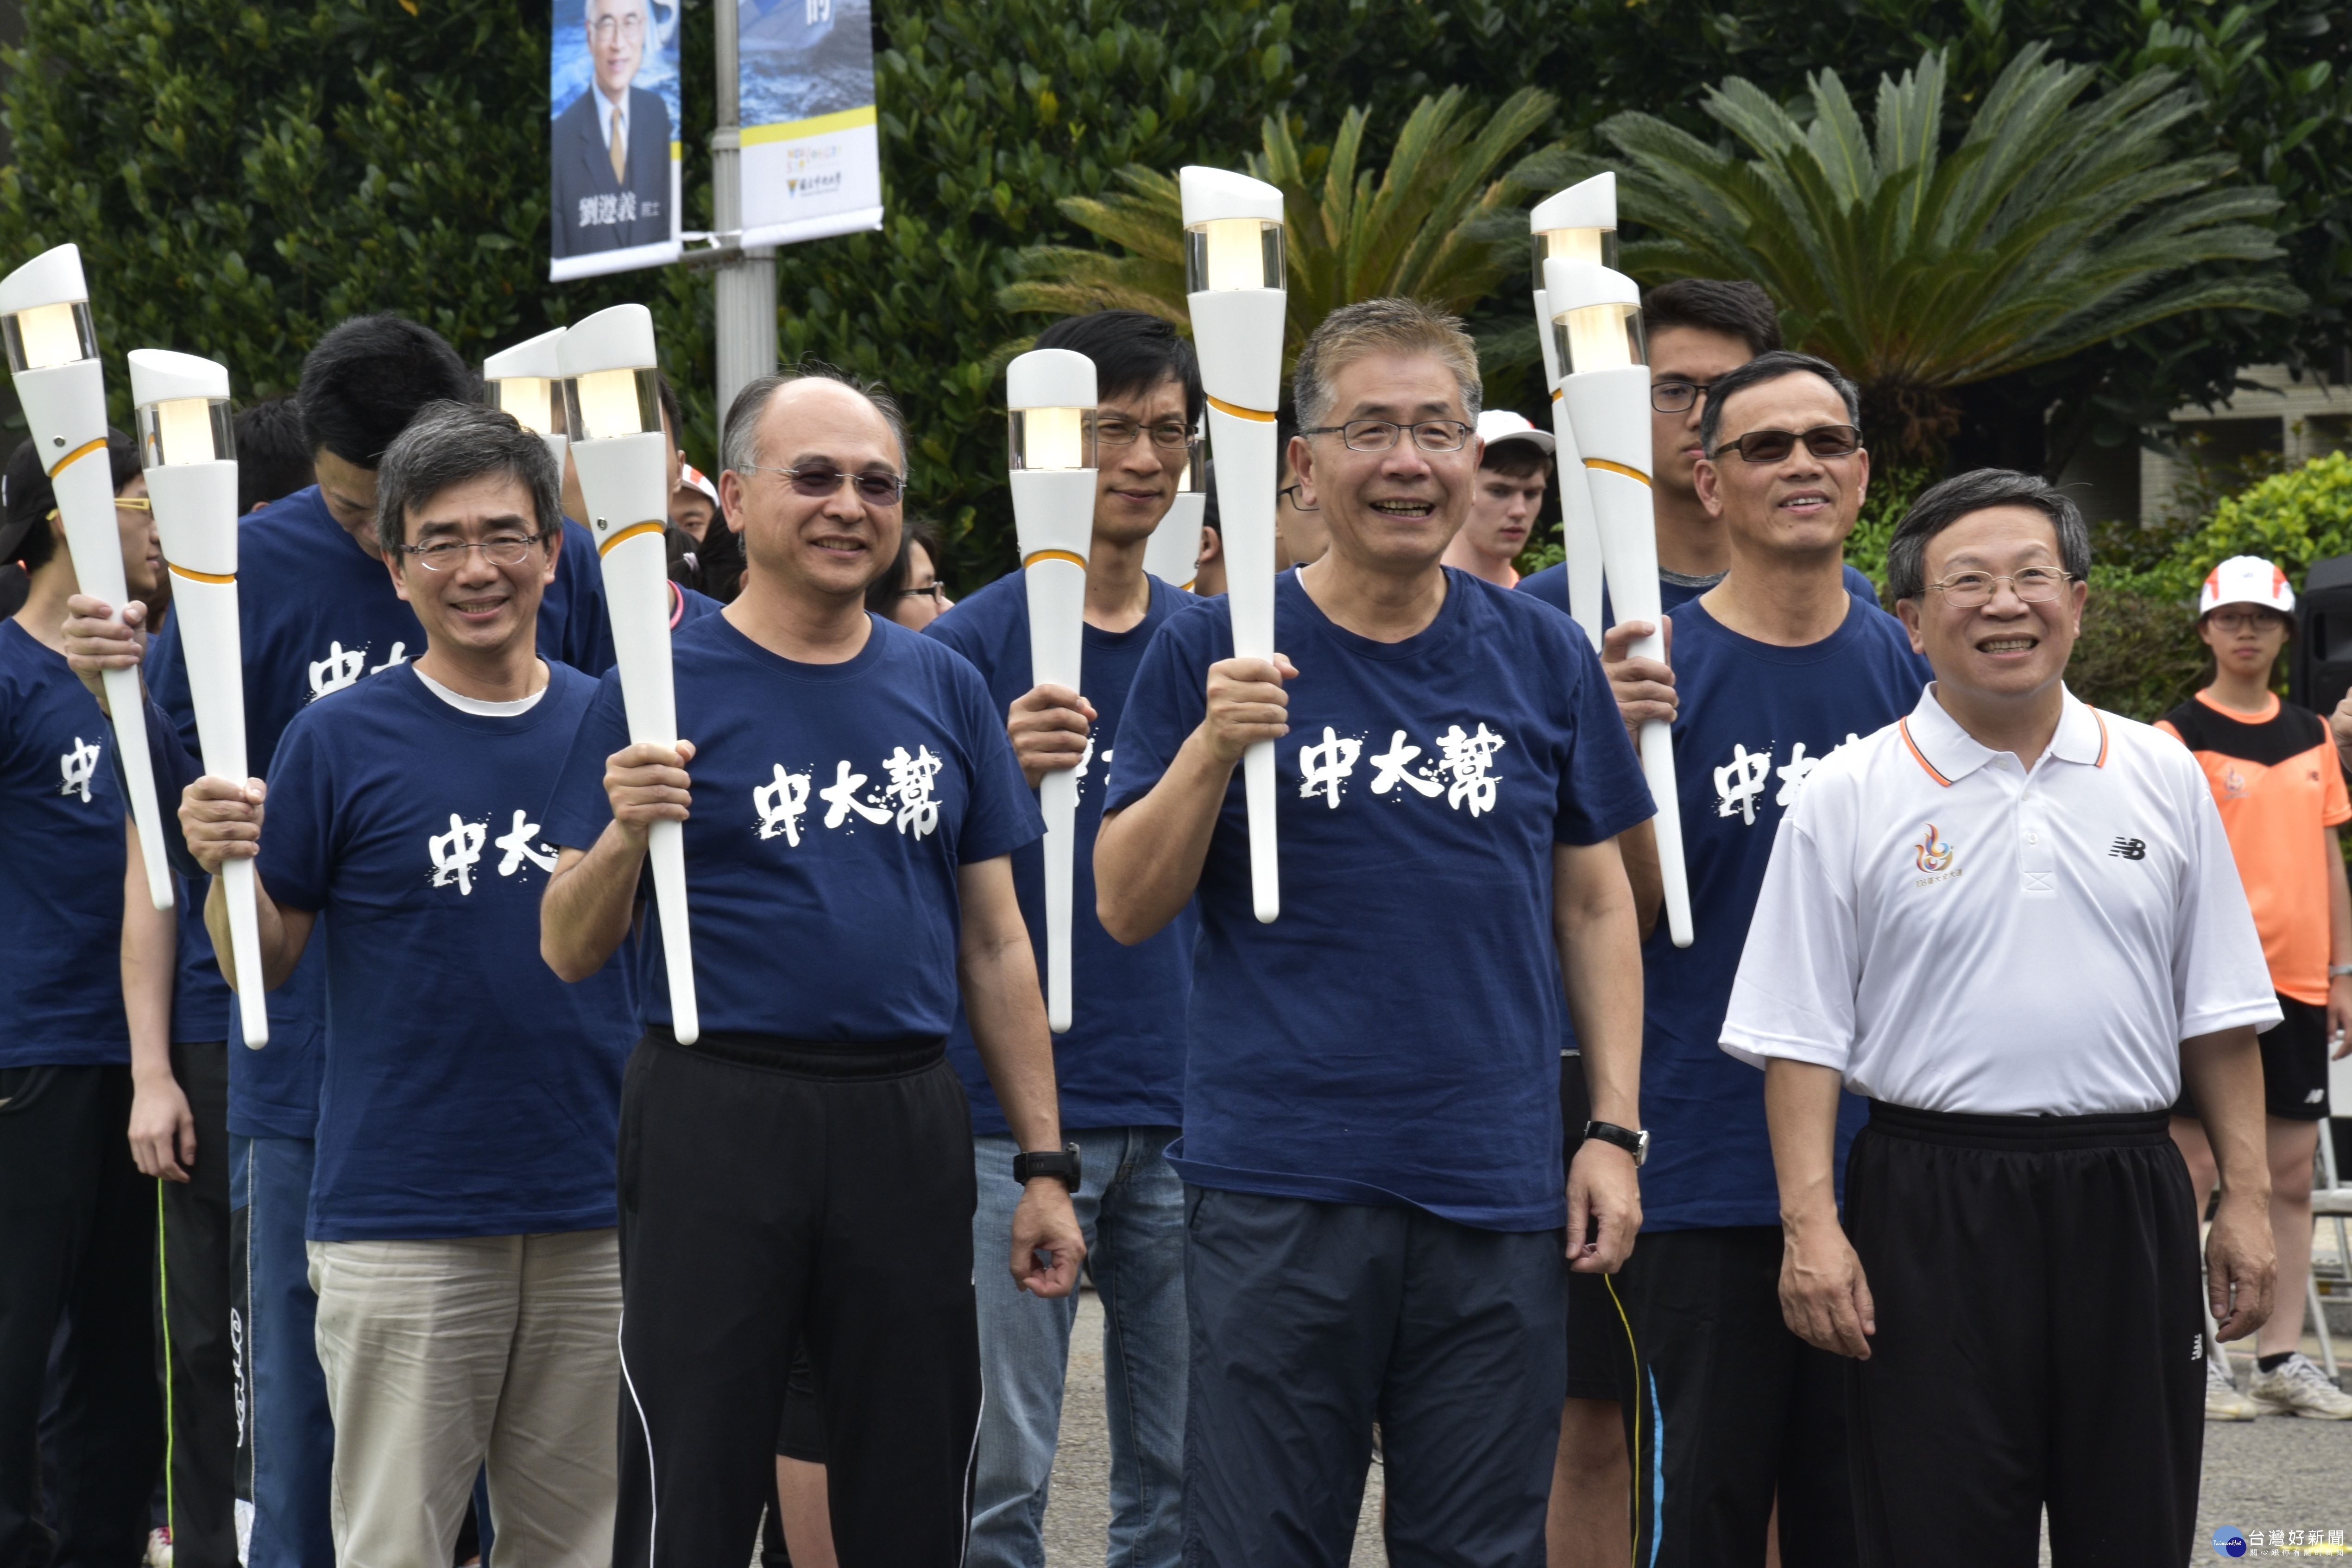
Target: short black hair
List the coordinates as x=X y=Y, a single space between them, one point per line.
x=670 y=414
x=1514 y=459
x=1737 y=310
x=1947 y=503
x=1132 y=353
x=27 y=498
x=450 y=443
x=1771 y=367
x=882 y=593
x=273 y=460
x=367 y=377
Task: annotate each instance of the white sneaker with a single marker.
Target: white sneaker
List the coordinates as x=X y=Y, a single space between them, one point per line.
x=2223 y=1400
x=158 y=1550
x=2298 y=1388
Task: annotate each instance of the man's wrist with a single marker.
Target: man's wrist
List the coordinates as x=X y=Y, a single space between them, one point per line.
x=1060 y=1164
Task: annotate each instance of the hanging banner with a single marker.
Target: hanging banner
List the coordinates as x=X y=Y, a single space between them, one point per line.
x=812 y=157
x=613 y=144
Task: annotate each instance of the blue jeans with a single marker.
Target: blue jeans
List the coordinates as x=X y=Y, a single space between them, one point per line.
x=288 y=1437
x=1131 y=1207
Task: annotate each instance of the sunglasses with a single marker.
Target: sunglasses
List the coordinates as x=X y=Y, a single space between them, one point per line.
x=1823 y=441
x=817 y=480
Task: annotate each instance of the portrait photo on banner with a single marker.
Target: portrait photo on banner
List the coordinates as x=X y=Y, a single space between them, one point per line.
x=811 y=162
x=612 y=140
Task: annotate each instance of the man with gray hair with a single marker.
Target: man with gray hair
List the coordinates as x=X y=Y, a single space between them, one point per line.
x=461 y=1230
x=803 y=1171
x=1378 y=1225
x=608 y=150
x=2013 y=925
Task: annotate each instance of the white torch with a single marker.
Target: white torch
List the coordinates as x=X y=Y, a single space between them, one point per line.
x=53 y=356
x=1173 y=553
x=527 y=381
x=613 y=415
x=1051 y=395
x=1578 y=223
x=1232 y=276
x=190 y=455
x=1597 y=331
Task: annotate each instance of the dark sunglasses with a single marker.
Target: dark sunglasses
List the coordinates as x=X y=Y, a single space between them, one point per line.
x=879 y=489
x=1824 y=441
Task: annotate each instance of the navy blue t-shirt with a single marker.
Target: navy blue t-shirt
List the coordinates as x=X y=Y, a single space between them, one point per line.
x=316 y=613
x=61 y=879
x=200 y=1000
x=466 y=1091
x=1391 y=1039
x=1550 y=585
x=1754 y=721
x=833 y=805
x=1121 y=1063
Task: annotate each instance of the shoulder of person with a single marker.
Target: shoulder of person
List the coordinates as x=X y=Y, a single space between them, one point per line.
x=290 y=520
x=647 y=101
x=989 y=611
x=2134 y=744
x=578 y=113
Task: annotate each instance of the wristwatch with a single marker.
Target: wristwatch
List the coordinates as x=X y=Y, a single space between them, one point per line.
x=1062 y=1165
x=1634 y=1144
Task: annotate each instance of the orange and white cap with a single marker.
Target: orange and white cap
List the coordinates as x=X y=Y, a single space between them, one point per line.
x=2246 y=579
x=689 y=477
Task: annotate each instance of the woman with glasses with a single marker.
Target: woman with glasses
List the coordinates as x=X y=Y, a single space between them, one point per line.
x=910 y=592
x=2282 y=797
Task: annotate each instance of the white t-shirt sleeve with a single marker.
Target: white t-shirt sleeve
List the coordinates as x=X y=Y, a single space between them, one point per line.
x=2220 y=978
x=1794 y=993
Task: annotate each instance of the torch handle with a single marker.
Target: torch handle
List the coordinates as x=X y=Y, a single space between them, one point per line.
x=1058 y=796
x=666 y=847
x=128 y=702
x=245 y=947
x=1658 y=769
x=1266 y=865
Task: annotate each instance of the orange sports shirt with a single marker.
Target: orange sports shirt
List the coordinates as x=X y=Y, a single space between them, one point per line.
x=2277 y=783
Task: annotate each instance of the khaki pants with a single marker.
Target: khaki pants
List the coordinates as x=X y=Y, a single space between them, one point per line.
x=443 y=1356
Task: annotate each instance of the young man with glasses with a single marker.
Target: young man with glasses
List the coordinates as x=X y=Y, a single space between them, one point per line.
x=1775 y=667
x=1120 y=1068
x=1375 y=1223
x=803 y=1171
x=2011 y=923
x=461 y=1220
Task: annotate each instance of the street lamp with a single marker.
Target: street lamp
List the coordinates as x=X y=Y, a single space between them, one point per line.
x=612 y=411
x=1173 y=553
x=53 y=356
x=1232 y=278
x=190 y=455
x=1578 y=223
x=1050 y=394
x=1596 y=331
x=527 y=381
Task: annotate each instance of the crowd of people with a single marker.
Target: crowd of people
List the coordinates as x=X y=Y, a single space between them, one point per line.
x=1460 y=1165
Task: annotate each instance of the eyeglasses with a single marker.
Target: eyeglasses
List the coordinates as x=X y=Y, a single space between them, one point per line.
x=1823 y=441
x=2246 y=619
x=875 y=489
x=1381 y=435
x=632 y=26
x=498 y=549
x=936 y=592
x=129 y=503
x=1974 y=589
x=1111 y=430
x=1677 y=397
x=1297 y=494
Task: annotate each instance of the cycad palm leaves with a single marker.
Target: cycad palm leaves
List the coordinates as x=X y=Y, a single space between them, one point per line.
x=1435 y=224
x=2053 y=226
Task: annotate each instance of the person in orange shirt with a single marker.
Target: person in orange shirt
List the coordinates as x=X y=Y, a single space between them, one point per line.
x=2275 y=775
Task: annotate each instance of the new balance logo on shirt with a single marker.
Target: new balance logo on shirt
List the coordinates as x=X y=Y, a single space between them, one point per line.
x=2129 y=849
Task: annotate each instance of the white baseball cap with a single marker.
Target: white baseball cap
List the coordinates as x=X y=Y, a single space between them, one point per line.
x=1501 y=424
x=689 y=477
x=2246 y=579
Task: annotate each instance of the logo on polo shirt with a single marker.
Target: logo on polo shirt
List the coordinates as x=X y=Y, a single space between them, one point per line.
x=1934 y=854
x=2129 y=849
x=2234 y=784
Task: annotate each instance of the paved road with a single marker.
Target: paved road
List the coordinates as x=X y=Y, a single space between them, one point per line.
x=2272 y=1474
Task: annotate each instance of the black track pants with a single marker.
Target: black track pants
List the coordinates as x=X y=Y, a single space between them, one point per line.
x=200 y=1372
x=769 y=1191
x=77 y=1240
x=2040 y=1340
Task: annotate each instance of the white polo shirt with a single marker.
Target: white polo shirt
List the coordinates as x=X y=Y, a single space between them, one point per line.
x=1954 y=932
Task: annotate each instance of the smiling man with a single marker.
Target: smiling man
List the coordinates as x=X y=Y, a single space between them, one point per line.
x=609 y=149
x=1375 y=1224
x=1120 y=1066
x=2012 y=922
x=461 y=1217
x=805 y=1170
x=1777 y=667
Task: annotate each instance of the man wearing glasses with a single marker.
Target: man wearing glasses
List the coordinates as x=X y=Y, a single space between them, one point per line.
x=803 y=1171
x=1378 y=1223
x=610 y=148
x=1120 y=1066
x=1775 y=668
x=2015 y=924
x=461 y=1216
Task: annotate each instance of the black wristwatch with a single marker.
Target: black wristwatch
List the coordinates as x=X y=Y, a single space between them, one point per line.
x=1062 y=1165
x=1634 y=1144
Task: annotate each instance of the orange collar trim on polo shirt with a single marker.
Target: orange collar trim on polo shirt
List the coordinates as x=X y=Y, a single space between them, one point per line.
x=1919 y=757
x=2102 y=760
